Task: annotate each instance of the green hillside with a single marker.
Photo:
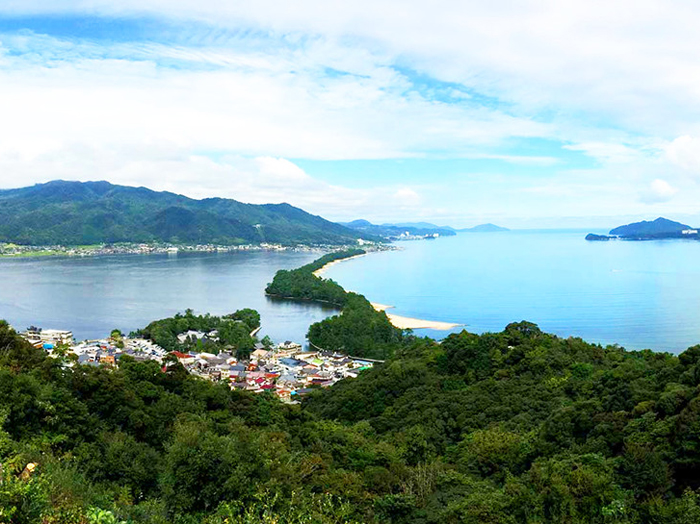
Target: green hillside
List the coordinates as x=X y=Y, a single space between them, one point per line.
x=79 y=213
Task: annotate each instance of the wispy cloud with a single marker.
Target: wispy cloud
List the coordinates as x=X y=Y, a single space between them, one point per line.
x=201 y=96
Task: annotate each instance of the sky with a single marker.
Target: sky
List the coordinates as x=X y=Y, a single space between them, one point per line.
x=527 y=114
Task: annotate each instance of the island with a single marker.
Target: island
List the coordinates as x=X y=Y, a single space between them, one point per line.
x=661 y=228
x=484 y=228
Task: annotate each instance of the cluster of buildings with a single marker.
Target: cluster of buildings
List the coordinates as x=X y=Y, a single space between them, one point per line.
x=93 y=352
x=285 y=370
x=406 y=235
x=15 y=250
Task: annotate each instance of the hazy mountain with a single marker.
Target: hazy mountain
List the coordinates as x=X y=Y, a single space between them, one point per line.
x=421 y=225
x=75 y=213
x=392 y=231
x=660 y=226
x=483 y=228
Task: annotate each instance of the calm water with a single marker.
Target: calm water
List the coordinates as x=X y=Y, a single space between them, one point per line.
x=92 y=296
x=637 y=294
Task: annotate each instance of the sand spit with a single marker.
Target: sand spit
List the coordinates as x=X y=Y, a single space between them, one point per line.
x=413 y=323
x=320 y=271
x=397 y=320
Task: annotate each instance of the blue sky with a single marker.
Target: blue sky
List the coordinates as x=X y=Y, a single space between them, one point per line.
x=528 y=114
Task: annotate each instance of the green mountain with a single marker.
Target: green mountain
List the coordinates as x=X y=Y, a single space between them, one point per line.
x=659 y=227
x=77 y=213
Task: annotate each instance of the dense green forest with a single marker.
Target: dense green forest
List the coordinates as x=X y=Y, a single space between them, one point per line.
x=302 y=284
x=232 y=332
x=511 y=427
x=80 y=213
x=359 y=330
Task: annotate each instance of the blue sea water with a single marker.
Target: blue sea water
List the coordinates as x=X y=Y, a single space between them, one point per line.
x=636 y=294
x=91 y=296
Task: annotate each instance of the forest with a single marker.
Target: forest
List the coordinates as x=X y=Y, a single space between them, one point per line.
x=359 y=330
x=233 y=332
x=517 y=426
x=302 y=284
x=514 y=427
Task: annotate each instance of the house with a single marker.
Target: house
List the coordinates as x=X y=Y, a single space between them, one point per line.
x=198 y=335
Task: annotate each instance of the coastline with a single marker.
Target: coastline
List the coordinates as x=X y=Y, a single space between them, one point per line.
x=398 y=321
x=402 y=322
x=323 y=269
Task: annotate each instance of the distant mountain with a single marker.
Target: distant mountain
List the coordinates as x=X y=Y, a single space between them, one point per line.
x=660 y=226
x=649 y=230
x=399 y=231
x=421 y=225
x=76 y=213
x=484 y=228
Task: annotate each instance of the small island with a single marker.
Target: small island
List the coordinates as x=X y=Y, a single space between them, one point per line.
x=484 y=228
x=661 y=228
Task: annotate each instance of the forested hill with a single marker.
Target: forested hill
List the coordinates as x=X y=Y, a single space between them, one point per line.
x=660 y=227
x=502 y=428
x=79 y=213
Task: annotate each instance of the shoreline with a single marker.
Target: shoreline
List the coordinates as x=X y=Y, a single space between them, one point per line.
x=398 y=321
x=323 y=269
x=402 y=322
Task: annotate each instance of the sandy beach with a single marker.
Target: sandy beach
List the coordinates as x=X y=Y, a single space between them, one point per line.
x=397 y=320
x=412 y=323
x=322 y=270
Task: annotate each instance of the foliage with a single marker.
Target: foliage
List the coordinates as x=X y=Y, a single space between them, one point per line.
x=510 y=427
x=86 y=213
x=233 y=331
x=359 y=330
x=301 y=283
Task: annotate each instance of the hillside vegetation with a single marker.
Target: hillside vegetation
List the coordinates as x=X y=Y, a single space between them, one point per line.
x=511 y=427
x=77 y=213
x=359 y=330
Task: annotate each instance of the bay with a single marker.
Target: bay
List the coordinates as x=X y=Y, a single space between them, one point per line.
x=93 y=295
x=636 y=294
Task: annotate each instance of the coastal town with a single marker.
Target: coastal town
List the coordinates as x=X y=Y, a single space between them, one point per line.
x=285 y=370
x=16 y=250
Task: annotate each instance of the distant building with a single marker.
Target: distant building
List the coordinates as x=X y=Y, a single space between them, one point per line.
x=36 y=335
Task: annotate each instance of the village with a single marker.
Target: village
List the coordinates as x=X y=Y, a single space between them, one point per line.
x=127 y=248
x=285 y=370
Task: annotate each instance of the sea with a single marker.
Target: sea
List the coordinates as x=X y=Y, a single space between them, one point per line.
x=91 y=296
x=638 y=295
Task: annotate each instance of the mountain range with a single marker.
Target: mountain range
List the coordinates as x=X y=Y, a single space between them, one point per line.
x=395 y=231
x=82 y=213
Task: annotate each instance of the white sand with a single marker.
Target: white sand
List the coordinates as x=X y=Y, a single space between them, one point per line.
x=412 y=323
x=323 y=269
x=397 y=320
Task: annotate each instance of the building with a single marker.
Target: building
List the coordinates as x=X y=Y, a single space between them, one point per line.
x=35 y=335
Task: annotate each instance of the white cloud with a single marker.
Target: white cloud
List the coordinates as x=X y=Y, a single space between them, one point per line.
x=224 y=110
x=658 y=191
x=684 y=152
x=632 y=61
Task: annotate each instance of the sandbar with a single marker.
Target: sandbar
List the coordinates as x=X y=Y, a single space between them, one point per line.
x=320 y=271
x=413 y=323
x=397 y=320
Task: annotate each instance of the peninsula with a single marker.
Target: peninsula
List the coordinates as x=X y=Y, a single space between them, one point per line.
x=306 y=283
